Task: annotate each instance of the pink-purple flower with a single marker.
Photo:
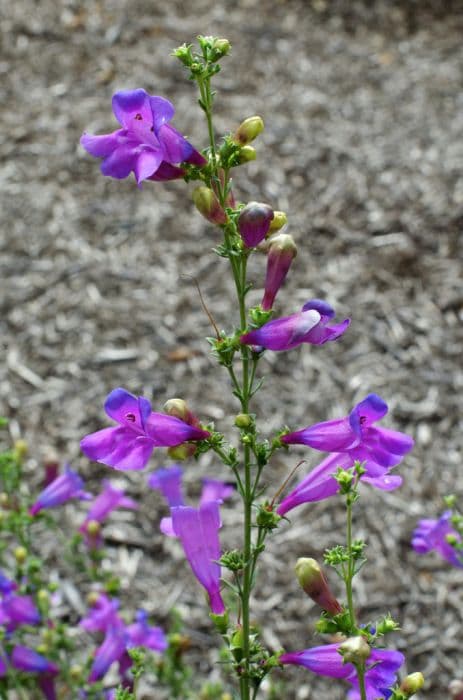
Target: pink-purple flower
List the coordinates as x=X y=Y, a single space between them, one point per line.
x=350 y=439
x=254 y=223
x=108 y=500
x=62 y=489
x=198 y=531
x=310 y=325
x=381 y=668
x=432 y=535
x=17 y=610
x=168 y=480
x=147 y=144
x=129 y=445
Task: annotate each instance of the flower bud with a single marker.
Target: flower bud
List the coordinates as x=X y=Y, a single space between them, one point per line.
x=412 y=684
x=279 y=220
x=243 y=421
x=249 y=130
x=20 y=449
x=246 y=154
x=51 y=467
x=93 y=598
x=4 y=500
x=220 y=48
x=181 y=452
x=281 y=253
x=179 y=409
x=93 y=528
x=254 y=223
x=208 y=205
x=355 y=650
x=313 y=581
x=20 y=554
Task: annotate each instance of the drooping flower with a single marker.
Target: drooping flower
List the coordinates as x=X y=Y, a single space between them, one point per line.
x=198 y=531
x=281 y=252
x=381 y=668
x=62 y=489
x=16 y=610
x=26 y=659
x=129 y=445
x=168 y=480
x=310 y=325
x=432 y=534
x=254 y=223
x=147 y=144
x=141 y=634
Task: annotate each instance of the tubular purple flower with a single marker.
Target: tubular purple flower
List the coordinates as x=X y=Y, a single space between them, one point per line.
x=356 y=435
x=381 y=668
x=62 y=489
x=254 y=223
x=432 y=535
x=142 y=635
x=307 y=326
x=198 y=531
x=281 y=253
x=111 y=650
x=168 y=480
x=108 y=500
x=146 y=144
x=129 y=446
x=215 y=490
x=25 y=659
x=16 y=610
x=102 y=615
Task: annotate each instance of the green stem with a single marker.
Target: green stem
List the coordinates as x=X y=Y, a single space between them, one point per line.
x=350 y=566
x=361 y=677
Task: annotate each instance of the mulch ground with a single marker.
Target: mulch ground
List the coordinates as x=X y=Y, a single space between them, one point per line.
x=363 y=109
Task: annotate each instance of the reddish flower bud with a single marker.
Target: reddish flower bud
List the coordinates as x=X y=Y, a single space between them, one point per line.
x=281 y=253
x=254 y=223
x=208 y=205
x=314 y=583
x=249 y=130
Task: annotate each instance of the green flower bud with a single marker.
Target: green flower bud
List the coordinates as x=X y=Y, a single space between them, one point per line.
x=279 y=220
x=243 y=421
x=208 y=205
x=20 y=554
x=249 y=130
x=220 y=48
x=412 y=684
x=93 y=528
x=355 y=650
x=246 y=154
x=181 y=452
x=20 y=449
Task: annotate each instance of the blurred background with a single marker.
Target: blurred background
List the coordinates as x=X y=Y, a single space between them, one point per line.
x=363 y=149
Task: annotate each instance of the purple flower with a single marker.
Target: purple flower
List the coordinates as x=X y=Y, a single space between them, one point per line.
x=198 y=531
x=281 y=253
x=108 y=500
x=16 y=610
x=142 y=635
x=25 y=659
x=112 y=649
x=102 y=615
x=146 y=144
x=215 y=490
x=129 y=446
x=382 y=666
x=307 y=326
x=168 y=480
x=254 y=223
x=62 y=489
x=350 y=439
x=6 y=584
x=432 y=534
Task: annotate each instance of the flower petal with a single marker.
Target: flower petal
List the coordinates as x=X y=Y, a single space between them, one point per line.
x=100 y=146
x=175 y=146
x=120 y=448
x=132 y=105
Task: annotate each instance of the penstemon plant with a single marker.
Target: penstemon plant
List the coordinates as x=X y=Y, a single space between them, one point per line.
x=359 y=451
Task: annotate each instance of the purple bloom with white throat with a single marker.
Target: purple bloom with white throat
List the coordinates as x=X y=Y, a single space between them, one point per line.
x=62 y=489
x=381 y=668
x=310 y=325
x=198 y=531
x=434 y=535
x=129 y=445
x=147 y=144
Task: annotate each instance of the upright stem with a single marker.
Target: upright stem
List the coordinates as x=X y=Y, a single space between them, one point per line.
x=361 y=678
x=350 y=565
